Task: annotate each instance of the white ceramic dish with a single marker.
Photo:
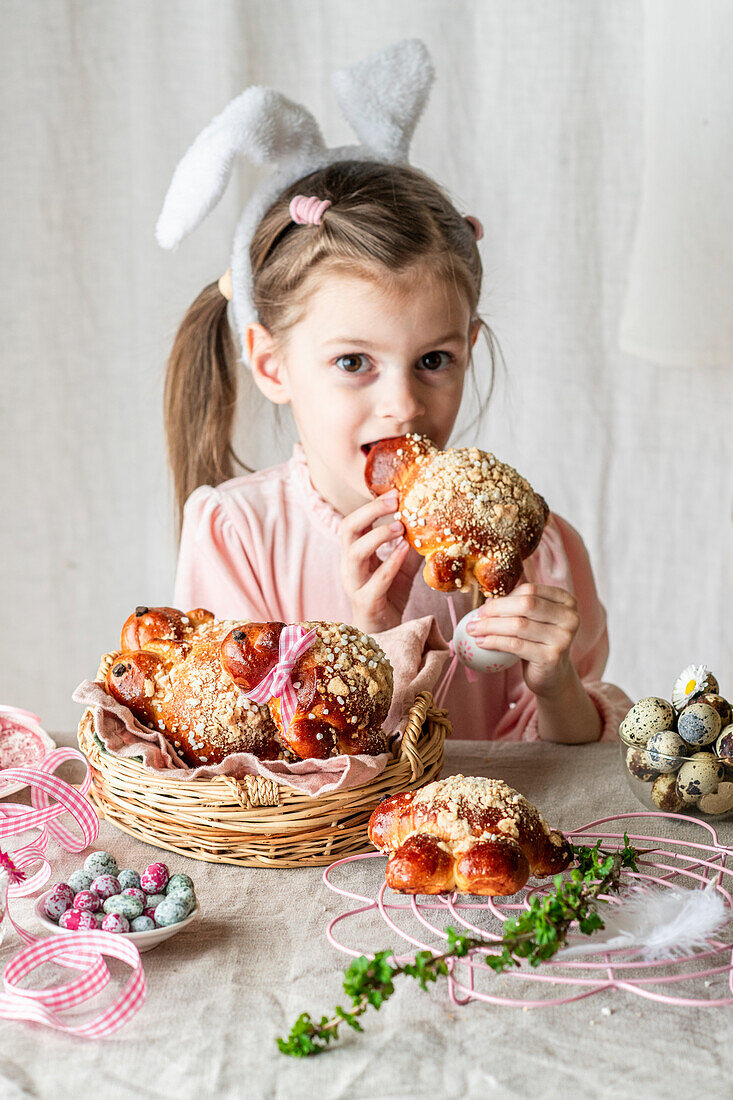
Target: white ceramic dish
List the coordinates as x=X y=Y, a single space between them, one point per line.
x=144 y=941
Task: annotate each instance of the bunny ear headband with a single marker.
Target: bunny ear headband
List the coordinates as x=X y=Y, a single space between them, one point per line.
x=381 y=97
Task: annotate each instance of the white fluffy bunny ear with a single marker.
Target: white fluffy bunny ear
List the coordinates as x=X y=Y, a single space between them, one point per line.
x=383 y=96
x=262 y=124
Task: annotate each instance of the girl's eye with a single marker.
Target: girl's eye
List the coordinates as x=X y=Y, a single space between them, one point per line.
x=432 y=360
x=350 y=364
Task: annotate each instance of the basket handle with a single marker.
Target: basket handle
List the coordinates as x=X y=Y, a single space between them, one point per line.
x=413 y=732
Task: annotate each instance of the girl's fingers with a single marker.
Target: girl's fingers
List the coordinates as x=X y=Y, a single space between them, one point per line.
x=357 y=558
x=358 y=521
x=557 y=607
x=382 y=577
x=533 y=652
x=526 y=629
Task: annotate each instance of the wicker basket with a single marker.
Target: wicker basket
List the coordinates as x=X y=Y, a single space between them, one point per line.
x=256 y=822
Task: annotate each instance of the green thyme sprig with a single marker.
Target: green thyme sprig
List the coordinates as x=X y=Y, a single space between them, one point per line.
x=537 y=934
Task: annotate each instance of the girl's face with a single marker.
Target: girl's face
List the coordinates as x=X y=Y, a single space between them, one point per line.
x=364 y=364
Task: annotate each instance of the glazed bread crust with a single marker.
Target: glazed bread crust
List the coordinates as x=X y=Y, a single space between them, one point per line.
x=473 y=518
x=465 y=833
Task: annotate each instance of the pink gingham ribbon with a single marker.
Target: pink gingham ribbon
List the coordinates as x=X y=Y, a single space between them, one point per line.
x=442 y=689
x=81 y=951
x=294 y=641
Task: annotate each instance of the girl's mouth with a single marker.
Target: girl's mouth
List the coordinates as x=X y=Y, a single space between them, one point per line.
x=366 y=447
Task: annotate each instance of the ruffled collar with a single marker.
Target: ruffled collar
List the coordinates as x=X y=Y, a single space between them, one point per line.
x=323 y=512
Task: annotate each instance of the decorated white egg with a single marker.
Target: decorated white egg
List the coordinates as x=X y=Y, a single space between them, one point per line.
x=666 y=751
x=472 y=655
x=645 y=718
x=698 y=776
x=699 y=724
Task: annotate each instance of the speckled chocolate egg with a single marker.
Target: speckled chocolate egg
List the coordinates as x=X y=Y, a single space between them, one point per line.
x=724 y=745
x=106 y=886
x=136 y=892
x=699 y=775
x=87 y=901
x=154 y=878
x=142 y=924
x=124 y=905
x=58 y=901
x=80 y=880
x=664 y=794
x=179 y=879
x=666 y=751
x=115 y=922
x=638 y=765
x=186 y=895
x=719 y=704
x=170 y=911
x=128 y=878
x=647 y=717
x=100 y=863
x=718 y=802
x=71 y=919
x=698 y=724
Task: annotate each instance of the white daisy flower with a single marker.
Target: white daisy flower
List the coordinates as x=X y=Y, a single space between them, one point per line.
x=693 y=680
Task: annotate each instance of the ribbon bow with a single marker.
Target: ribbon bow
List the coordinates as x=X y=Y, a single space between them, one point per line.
x=294 y=641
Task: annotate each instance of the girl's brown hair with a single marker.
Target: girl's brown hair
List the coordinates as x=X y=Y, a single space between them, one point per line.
x=384 y=219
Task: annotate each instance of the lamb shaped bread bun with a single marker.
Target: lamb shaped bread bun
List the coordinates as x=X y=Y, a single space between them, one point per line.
x=187 y=676
x=343 y=683
x=465 y=833
x=170 y=676
x=472 y=517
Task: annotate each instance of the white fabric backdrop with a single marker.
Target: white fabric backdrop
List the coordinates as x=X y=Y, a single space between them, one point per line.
x=535 y=125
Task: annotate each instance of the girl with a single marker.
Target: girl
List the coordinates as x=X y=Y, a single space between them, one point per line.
x=365 y=280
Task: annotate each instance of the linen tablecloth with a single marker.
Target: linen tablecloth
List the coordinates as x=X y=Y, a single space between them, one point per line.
x=221 y=990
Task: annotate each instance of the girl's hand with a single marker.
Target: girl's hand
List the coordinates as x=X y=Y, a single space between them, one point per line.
x=367 y=580
x=538 y=624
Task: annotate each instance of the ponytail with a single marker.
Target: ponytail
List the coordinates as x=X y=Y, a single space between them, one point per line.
x=200 y=398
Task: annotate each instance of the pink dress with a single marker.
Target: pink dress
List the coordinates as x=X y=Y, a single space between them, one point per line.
x=266 y=547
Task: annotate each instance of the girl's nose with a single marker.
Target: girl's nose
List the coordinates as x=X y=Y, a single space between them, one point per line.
x=398 y=399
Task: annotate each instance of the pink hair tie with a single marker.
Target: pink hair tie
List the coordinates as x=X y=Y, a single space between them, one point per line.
x=308 y=209
x=475 y=225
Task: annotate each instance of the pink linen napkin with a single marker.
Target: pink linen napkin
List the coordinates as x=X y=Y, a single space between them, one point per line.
x=418 y=654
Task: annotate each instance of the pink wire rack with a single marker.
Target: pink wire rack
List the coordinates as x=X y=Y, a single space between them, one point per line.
x=704 y=979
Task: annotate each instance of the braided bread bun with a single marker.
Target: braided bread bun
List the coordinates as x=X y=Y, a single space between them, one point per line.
x=170 y=676
x=343 y=684
x=471 y=834
x=472 y=517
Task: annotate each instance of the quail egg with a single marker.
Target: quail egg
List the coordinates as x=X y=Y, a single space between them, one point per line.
x=664 y=794
x=698 y=776
x=665 y=751
x=699 y=724
x=718 y=802
x=639 y=766
x=724 y=745
x=647 y=717
x=719 y=704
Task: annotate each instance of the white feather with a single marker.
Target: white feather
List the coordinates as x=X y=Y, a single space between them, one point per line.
x=661 y=923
